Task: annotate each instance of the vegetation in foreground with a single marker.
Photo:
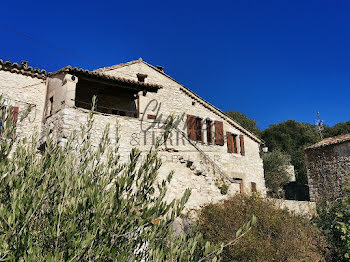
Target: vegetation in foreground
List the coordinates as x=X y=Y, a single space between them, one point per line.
x=77 y=202
x=278 y=235
x=334 y=219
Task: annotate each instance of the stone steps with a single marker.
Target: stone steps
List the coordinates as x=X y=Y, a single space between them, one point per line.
x=198 y=171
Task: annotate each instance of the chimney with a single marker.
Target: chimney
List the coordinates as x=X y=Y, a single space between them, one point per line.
x=160 y=68
x=141 y=77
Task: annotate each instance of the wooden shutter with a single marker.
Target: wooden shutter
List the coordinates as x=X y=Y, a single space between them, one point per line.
x=229 y=138
x=151 y=116
x=3 y=112
x=191 y=127
x=14 y=116
x=14 y=113
x=241 y=187
x=219 y=133
x=241 y=144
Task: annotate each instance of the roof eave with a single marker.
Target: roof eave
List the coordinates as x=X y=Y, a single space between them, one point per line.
x=22 y=69
x=320 y=145
x=111 y=79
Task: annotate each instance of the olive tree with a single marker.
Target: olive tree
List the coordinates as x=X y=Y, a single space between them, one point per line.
x=79 y=202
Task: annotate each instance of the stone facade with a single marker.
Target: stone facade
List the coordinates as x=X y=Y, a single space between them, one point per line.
x=21 y=87
x=328 y=165
x=208 y=169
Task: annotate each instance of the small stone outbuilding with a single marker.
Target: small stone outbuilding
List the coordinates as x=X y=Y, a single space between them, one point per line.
x=328 y=166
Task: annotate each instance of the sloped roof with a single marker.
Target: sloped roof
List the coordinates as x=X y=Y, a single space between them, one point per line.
x=108 y=68
x=191 y=94
x=22 y=69
x=100 y=75
x=330 y=141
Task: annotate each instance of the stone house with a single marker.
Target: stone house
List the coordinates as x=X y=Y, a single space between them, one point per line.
x=22 y=86
x=328 y=165
x=208 y=151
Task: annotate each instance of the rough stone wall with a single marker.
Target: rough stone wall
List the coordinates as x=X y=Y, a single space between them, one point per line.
x=303 y=208
x=172 y=100
x=327 y=168
x=20 y=90
x=291 y=172
x=203 y=183
x=61 y=88
x=192 y=168
x=204 y=187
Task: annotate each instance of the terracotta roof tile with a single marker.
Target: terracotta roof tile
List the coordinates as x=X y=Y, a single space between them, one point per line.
x=330 y=141
x=22 y=69
x=100 y=75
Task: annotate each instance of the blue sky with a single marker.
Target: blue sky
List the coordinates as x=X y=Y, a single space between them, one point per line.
x=272 y=60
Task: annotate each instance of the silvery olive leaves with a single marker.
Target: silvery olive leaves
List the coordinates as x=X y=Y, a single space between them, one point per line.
x=75 y=201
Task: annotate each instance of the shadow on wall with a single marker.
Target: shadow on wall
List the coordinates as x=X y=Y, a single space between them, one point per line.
x=110 y=100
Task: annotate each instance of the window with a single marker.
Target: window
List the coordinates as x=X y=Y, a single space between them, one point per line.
x=116 y=101
x=50 y=105
x=199 y=129
x=235 y=146
x=209 y=131
x=231 y=143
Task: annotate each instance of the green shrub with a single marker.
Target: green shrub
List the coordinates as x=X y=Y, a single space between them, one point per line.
x=292 y=137
x=223 y=189
x=77 y=202
x=275 y=172
x=245 y=121
x=334 y=219
x=278 y=235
